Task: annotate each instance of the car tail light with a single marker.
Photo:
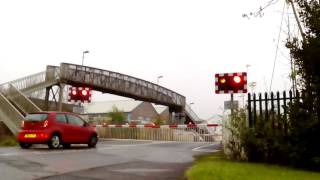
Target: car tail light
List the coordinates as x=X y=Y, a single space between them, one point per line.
x=45 y=123
x=22 y=124
x=43 y=135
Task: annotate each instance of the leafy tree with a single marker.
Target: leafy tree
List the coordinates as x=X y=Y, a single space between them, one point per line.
x=117 y=116
x=158 y=121
x=306 y=55
x=305 y=114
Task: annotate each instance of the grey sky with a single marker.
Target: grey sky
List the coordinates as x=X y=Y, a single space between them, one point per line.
x=185 y=41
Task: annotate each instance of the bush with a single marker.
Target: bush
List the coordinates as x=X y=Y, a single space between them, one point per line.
x=117 y=116
x=289 y=140
x=8 y=141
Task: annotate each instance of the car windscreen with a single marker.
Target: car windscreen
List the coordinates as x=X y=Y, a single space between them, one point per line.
x=36 y=117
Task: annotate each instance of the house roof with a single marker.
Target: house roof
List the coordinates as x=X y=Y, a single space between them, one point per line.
x=106 y=106
x=159 y=109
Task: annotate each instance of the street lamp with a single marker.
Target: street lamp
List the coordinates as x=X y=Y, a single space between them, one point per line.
x=191 y=103
x=159 y=78
x=84 y=52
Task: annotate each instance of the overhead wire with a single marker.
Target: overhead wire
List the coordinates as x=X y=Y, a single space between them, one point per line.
x=277 y=48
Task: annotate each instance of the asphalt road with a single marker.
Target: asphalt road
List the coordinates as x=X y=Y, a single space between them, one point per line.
x=117 y=159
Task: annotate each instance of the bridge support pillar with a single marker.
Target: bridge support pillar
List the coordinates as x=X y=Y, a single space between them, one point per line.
x=46 y=99
x=61 y=89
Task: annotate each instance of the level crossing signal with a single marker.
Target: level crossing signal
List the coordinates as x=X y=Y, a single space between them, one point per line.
x=79 y=94
x=230 y=83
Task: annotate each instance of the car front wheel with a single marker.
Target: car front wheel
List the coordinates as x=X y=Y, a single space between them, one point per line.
x=54 y=142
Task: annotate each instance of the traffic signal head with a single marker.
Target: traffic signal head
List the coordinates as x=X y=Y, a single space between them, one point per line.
x=229 y=83
x=79 y=94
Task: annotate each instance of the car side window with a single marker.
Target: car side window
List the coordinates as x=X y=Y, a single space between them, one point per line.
x=74 y=120
x=61 y=118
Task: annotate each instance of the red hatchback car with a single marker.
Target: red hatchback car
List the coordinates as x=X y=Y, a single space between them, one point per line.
x=55 y=129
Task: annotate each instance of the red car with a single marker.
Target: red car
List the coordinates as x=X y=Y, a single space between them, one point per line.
x=55 y=129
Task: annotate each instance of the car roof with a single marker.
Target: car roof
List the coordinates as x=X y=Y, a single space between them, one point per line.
x=53 y=112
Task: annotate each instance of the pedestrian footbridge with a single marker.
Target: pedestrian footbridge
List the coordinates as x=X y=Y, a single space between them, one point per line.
x=15 y=95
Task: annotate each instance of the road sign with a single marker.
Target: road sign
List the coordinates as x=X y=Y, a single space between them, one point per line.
x=230 y=83
x=228 y=105
x=78 y=109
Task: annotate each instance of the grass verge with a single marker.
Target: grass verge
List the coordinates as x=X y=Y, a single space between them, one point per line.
x=215 y=166
x=8 y=141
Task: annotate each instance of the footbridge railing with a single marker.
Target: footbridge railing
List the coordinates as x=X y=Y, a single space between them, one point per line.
x=120 y=84
x=31 y=83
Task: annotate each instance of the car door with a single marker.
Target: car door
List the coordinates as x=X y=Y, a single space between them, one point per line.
x=64 y=127
x=78 y=131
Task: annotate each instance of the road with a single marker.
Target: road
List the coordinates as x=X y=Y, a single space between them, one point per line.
x=116 y=159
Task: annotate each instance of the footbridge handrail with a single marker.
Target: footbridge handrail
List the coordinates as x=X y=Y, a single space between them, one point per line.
x=31 y=80
x=120 y=84
x=191 y=113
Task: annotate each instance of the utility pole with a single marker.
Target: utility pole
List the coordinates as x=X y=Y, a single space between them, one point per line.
x=297 y=19
x=232 y=106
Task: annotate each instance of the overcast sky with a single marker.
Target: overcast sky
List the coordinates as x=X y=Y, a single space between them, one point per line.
x=185 y=41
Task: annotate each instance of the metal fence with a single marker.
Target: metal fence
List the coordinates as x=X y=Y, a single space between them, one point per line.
x=180 y=133
x=270 y=106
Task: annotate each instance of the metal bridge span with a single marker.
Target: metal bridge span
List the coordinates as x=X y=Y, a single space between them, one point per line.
x=15 y=101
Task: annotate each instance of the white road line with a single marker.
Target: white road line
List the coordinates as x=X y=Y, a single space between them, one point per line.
x=199 y=149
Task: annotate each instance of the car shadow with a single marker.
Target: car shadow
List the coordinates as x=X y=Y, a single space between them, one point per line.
x=39 y=147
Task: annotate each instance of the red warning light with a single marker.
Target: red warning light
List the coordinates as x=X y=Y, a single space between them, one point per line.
x=229 y=83
x=79 y=94
x=237 y=79
x=74 y=92
x=223 y=80
x=84 y=92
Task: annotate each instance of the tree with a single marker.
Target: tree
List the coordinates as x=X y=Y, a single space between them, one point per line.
x=306 y=54
x=117 y=116
x=158 y=121
x=305 y=114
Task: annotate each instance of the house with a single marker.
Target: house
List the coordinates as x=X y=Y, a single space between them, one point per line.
x=163 y=112
x=137 y=112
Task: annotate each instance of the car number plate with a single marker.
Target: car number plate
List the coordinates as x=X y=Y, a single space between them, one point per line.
x=30 y=135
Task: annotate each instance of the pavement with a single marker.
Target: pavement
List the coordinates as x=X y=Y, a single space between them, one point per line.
x=112 y=159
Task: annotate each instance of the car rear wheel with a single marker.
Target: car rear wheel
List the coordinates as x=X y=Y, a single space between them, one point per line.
x=54 y=142
x=93 y=141
x=25 y=145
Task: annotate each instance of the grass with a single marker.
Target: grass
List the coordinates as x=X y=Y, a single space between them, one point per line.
x=215 y=166
x=8 y=141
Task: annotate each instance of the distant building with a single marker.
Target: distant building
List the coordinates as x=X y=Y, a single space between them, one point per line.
x=135 y=111
x=163 y=112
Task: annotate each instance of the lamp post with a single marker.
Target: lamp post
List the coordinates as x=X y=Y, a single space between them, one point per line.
x=192 y=103
x=158 y=78
x=84 y=52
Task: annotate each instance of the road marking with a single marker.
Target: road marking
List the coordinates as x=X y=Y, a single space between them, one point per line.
x=199 y=149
